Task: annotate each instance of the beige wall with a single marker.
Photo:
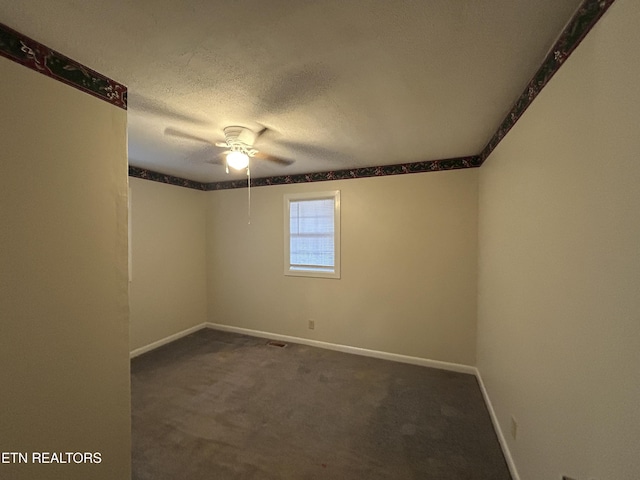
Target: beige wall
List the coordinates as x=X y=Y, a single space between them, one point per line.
x=559 y=265
x=168 y=286
x=409 y=266
x=64 y=365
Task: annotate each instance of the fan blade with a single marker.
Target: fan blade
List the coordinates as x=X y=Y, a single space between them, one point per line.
x=216 y=161
x=270 y=158
x=265 y=133
x=260 y=133
x=222 y=144
x=204 y=155
x=219 y=159
x=177 y=133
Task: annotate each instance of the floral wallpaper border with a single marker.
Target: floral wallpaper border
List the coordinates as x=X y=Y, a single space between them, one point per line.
x=399 y=169
x=34 y=55
x=578 y=27
x=145 y=174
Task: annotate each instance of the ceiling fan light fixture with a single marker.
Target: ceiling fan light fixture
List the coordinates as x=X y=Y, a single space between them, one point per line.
x=237 y=160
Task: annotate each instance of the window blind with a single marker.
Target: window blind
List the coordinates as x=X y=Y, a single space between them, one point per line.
x=311 y=233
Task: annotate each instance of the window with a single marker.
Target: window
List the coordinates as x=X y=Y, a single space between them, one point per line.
x=312 y=234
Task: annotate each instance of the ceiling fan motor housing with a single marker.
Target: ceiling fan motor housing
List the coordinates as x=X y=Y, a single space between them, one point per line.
x=234 y=135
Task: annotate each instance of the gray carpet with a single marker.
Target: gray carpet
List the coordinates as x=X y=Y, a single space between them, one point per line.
x=218 y=405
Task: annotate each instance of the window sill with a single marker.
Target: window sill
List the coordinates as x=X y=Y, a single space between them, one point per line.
x=320 y=273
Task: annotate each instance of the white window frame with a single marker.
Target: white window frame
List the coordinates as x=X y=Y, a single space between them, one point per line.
x=310 y=271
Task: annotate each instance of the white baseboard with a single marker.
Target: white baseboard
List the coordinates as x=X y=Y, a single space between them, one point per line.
x=496 y=427
x=164 y=341
x=424 y=362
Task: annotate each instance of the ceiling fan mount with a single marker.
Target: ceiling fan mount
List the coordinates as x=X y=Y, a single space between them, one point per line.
x=239 y=139
x=237 y=134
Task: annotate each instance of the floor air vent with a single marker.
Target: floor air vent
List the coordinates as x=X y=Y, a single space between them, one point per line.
x=274 y=343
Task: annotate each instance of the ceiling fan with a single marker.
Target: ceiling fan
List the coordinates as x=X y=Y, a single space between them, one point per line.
x=239 y=142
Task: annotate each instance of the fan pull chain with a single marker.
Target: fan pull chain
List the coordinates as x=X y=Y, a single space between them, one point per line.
x=249 y=194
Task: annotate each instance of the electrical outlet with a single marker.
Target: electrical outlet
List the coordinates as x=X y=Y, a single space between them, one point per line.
x=514 y=429
x=312 y=324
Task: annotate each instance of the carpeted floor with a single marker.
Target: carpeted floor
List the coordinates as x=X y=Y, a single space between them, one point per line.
x=224 y=406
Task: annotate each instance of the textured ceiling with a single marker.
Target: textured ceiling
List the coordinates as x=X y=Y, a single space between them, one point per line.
x=339 y=84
